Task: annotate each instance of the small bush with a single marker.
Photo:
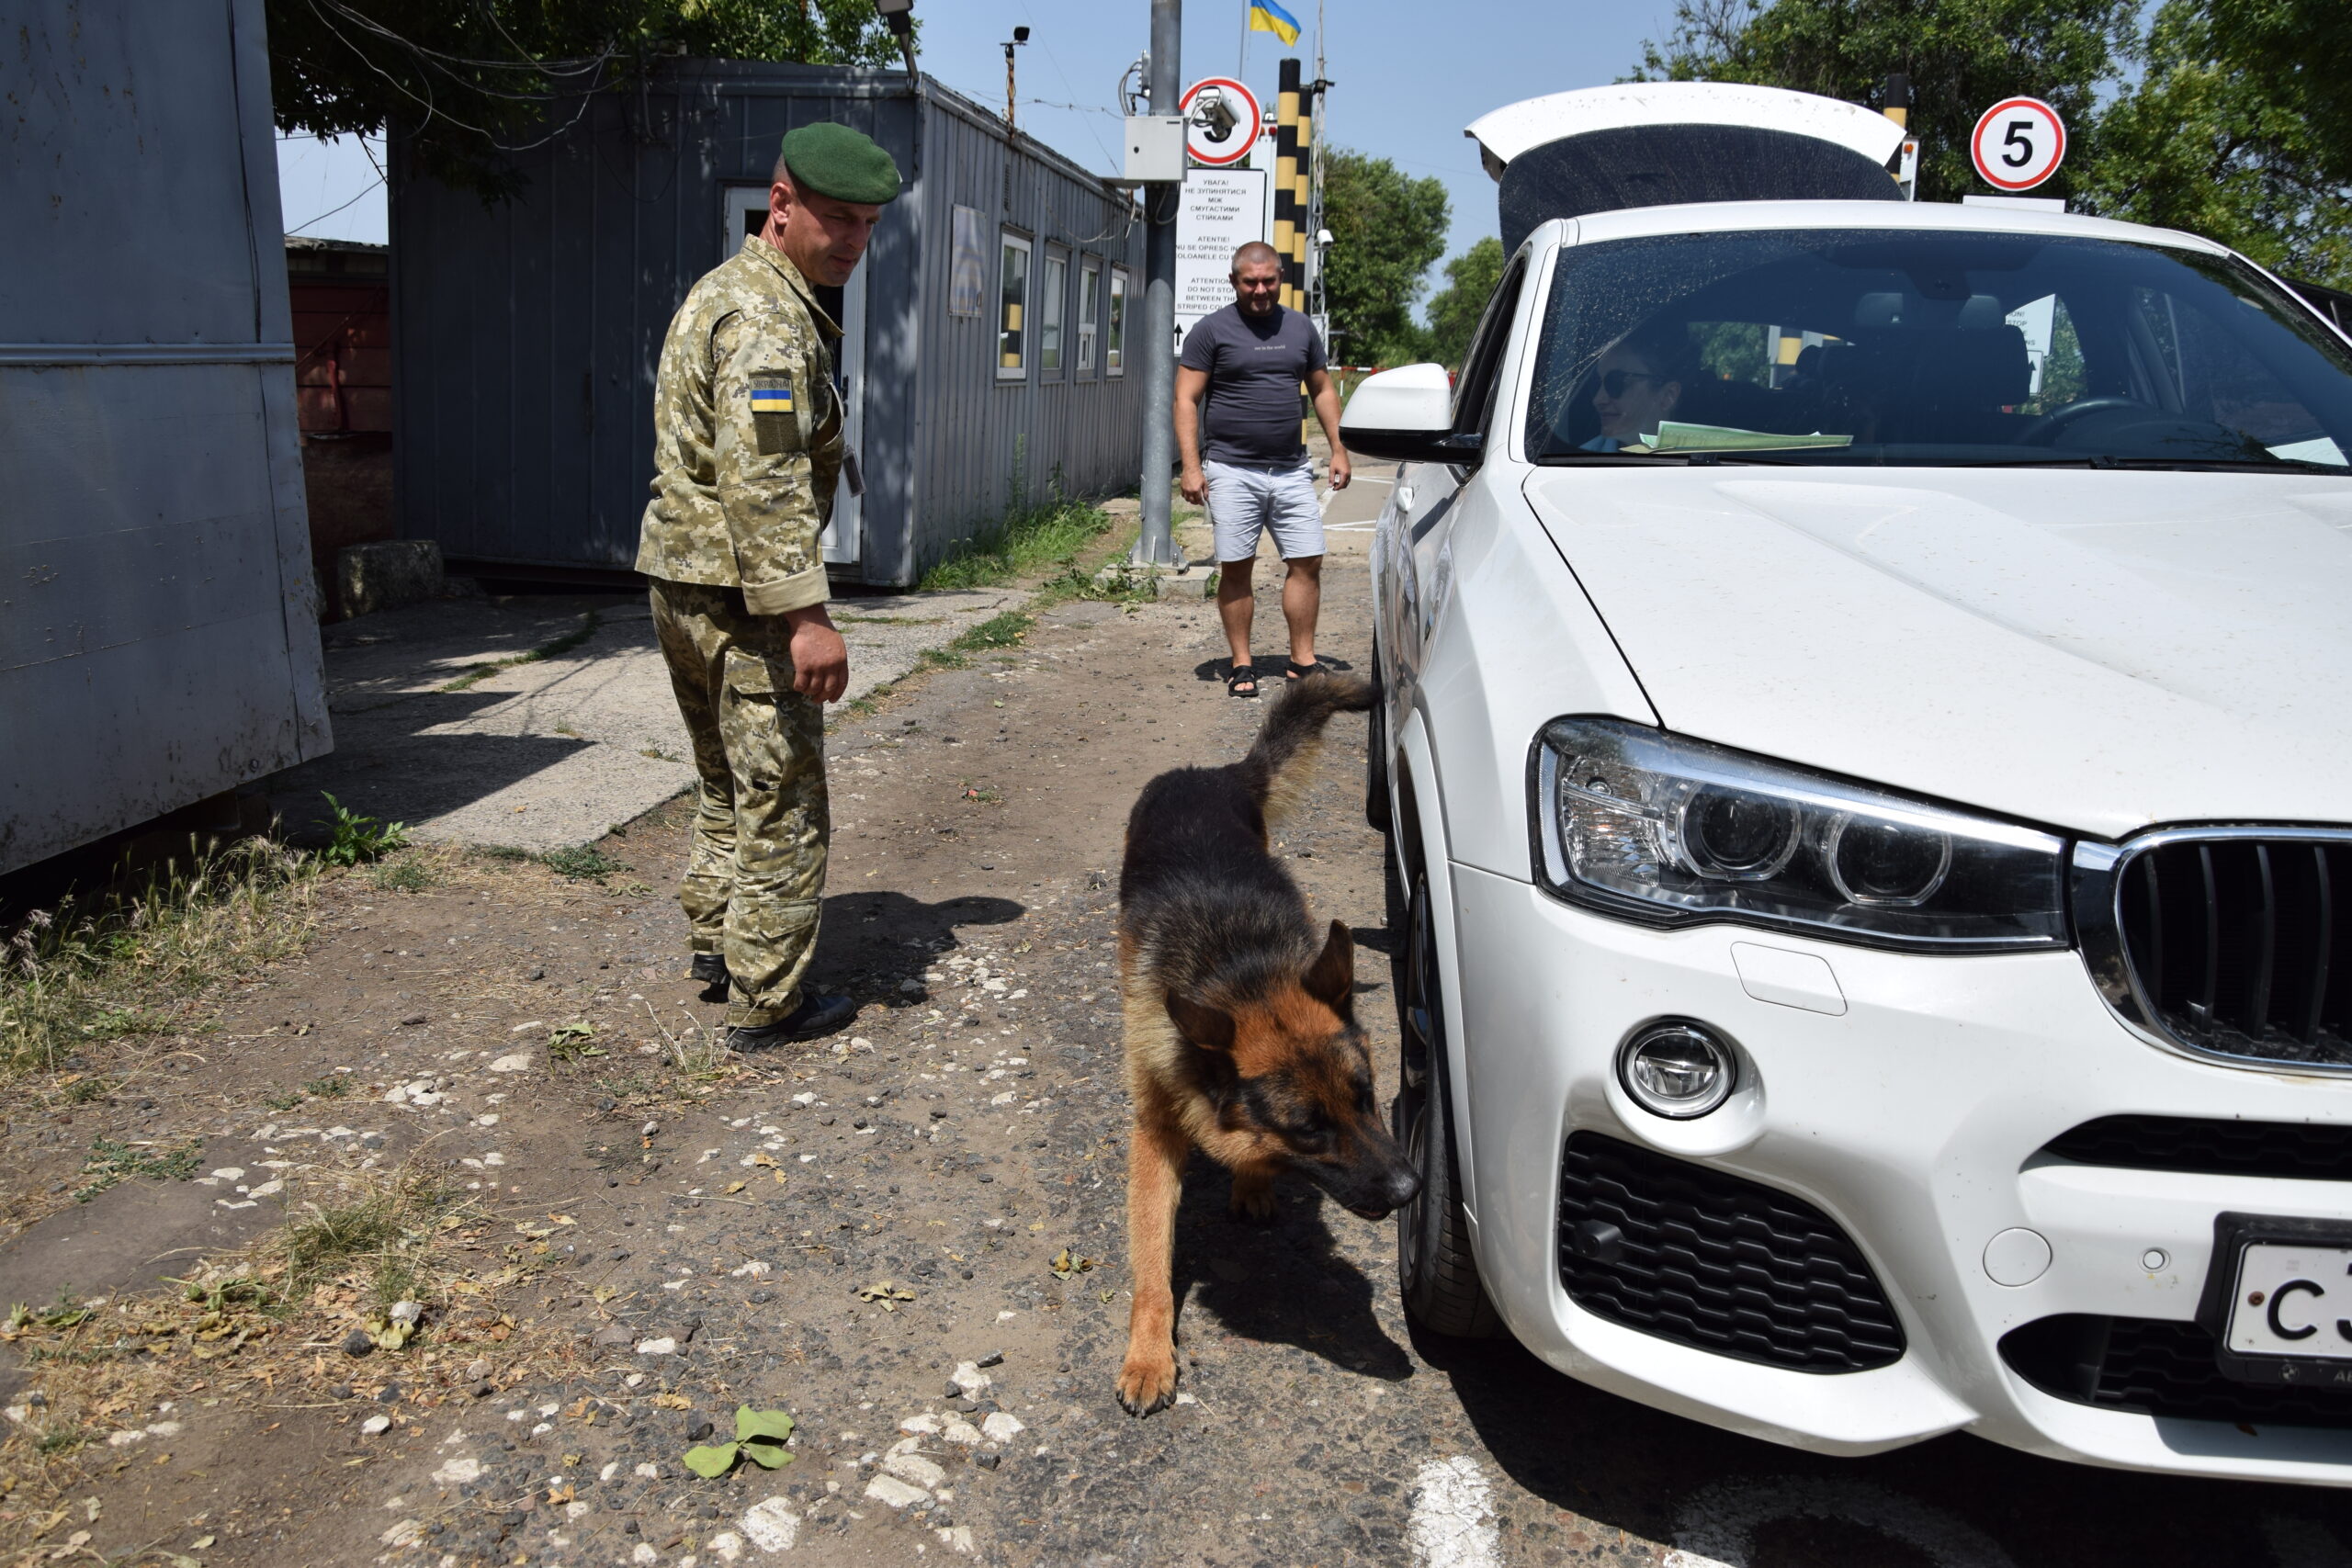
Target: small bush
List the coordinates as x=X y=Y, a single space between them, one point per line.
x=585 y=863
x=356 y=840
x=407 y=874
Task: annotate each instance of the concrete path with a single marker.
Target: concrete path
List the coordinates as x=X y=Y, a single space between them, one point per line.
x=539 y=722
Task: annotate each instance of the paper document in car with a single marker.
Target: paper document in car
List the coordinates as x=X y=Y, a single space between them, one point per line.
x=1676 y=437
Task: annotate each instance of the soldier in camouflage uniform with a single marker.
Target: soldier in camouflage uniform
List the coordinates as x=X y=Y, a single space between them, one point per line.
x=748 y=444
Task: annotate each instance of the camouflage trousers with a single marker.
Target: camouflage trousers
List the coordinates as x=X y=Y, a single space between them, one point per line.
x=755 y=873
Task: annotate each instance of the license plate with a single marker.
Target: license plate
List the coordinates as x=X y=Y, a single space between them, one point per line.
x=2293 y=1300
x=2279 y=1299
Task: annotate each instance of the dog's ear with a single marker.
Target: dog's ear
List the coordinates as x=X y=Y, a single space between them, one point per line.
x=1207 y=1027
x=1332 y=975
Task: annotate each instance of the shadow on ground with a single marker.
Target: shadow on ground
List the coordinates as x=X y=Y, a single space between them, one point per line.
x=1270 y=667
x=1282 y=1283
x=872 y=943
x=1952 y=1501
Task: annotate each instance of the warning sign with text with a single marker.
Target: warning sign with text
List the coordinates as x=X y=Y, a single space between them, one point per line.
x=1223 y=210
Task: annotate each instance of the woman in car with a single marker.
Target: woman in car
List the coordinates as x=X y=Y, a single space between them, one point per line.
x=1639 y=383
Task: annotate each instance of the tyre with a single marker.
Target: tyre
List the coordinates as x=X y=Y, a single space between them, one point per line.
x=1436 y=1273
x=1375 y=753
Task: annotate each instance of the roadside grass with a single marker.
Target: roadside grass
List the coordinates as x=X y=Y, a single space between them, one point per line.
x=102 y=965
x=1024 y=541
x=997 y=632
x=562 y=644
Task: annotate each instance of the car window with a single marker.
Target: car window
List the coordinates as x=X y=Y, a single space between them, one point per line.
x=1474 y=396
x=1844 y=347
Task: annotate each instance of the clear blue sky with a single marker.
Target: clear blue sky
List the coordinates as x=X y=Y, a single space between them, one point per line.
x=1409 y=75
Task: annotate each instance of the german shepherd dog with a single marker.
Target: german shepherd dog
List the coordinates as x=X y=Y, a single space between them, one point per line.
x=1241 y=1034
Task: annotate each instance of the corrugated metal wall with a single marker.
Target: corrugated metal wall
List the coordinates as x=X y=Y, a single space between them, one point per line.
x=976 y=437
x=158 y=628
x=527 y=332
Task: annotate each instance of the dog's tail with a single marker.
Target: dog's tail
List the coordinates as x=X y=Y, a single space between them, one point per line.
x=1279 y=765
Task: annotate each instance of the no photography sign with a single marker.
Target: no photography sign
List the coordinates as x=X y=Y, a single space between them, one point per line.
x=2018 y=144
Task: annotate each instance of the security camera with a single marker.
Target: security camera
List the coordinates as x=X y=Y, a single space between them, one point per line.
x=1215 y=115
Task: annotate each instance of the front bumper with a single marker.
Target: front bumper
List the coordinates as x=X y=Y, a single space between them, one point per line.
x=1916 y=1119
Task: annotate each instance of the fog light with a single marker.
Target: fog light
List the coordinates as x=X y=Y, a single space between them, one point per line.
x=1678 y=1068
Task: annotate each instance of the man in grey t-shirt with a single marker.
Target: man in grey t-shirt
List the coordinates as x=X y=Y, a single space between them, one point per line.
x=1236 y=426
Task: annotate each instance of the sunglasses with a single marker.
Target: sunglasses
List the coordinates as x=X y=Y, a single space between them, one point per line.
x=1614 y=382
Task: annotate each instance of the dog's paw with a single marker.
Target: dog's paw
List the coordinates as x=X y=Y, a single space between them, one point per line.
x=1147 y=1381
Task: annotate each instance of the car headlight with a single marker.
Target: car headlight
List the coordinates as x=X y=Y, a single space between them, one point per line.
x=1644 y=824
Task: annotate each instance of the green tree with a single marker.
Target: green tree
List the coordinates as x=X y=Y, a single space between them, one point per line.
x=1470 y=280
x=1386 y=230
x=1962 y=56
x=2297 y=53
x=2223 y=139
x=470 y=79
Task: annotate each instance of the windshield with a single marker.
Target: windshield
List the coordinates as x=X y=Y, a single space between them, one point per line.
x=1843 y=347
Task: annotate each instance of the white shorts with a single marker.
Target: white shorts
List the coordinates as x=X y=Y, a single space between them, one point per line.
x=1244 y=502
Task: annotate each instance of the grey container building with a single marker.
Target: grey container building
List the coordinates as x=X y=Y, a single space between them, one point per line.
x=986 y=354
x=159 y=638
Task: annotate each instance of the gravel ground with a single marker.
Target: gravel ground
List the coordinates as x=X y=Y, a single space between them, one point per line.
x=909 y=1237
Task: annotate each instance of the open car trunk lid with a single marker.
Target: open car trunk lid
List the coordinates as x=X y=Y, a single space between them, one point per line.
x=1663 y=143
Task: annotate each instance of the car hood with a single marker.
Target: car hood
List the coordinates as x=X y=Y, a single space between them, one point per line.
x=2094 y=650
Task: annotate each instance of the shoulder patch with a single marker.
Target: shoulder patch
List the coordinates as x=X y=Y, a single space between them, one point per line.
x=771 y=392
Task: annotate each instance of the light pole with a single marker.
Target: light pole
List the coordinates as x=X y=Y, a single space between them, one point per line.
x=896 y=16
x=1155 y=542
x=1020 y=37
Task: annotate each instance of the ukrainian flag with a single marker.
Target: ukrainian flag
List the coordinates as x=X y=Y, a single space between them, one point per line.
x=1265 y=16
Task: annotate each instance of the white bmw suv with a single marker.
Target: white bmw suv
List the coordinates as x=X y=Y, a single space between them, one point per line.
x=1866 y=743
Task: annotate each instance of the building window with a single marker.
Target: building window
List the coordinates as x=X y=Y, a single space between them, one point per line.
x=1114 y=340
x=966 y=282
x=1052 y=286
x=1090 y=311
x=1013 y=311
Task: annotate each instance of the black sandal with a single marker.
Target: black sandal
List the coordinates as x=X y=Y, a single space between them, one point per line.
x=1300 y=671
x=1238 y=676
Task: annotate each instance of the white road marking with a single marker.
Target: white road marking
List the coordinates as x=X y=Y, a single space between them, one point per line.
x=1715 y=1527
x=1454 y=1516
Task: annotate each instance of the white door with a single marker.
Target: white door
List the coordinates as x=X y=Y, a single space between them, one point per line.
x=746 y=212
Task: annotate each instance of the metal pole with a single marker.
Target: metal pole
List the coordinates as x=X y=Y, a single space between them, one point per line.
x=1155 y=543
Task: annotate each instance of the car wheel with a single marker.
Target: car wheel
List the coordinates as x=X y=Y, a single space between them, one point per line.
x=1375 y=753
x=1436 y=1273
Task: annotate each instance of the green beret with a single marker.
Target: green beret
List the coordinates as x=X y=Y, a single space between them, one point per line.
x=832 y=160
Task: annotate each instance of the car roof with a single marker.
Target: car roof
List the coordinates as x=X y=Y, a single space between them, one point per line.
x=1736 y=217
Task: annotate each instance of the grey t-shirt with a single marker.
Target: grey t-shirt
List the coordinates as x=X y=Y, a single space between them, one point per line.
x=1255 y=365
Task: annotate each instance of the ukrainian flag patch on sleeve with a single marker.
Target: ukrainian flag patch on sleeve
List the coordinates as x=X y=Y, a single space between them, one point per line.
x=775 y=414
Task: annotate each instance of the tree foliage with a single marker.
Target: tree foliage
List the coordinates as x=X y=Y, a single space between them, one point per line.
x=1962 y=57
x=1470 y=280
x=470 y=79
x=2225 y=138
x=2238 y=125
x=1386 y=229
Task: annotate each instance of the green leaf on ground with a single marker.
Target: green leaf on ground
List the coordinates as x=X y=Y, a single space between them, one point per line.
x=772 y=1424
x=711 y=1460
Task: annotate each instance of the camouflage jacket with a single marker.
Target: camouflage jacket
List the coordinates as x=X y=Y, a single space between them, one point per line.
x=747 y=436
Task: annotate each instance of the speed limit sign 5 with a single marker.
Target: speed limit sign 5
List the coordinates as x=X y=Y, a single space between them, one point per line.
x=2019 y=144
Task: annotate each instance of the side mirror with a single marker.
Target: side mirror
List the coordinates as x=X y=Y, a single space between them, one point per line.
x=1406 y=415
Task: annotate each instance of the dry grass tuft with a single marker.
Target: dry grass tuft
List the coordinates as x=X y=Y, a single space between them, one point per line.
x=106 y=965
